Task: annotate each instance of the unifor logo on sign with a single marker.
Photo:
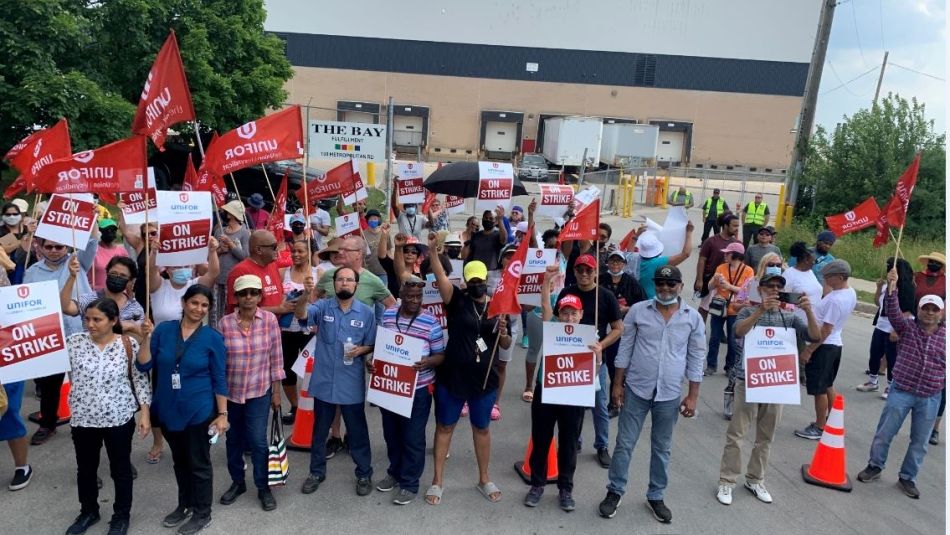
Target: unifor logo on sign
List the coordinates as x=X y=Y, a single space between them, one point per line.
x=23 y=292
x=769 y=333
x=247 y=130
x=569 y=329
x=183 y=197
x=399 y=339
x=539 y=253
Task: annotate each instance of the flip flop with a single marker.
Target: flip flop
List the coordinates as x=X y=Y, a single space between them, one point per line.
x=488 y=489
x=434 y=491
x=527 y=396
x=151 y=458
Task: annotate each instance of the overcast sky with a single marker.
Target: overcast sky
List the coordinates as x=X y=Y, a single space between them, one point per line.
x=915 y=34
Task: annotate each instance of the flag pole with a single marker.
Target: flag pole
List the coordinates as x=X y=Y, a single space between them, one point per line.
x=269 y=187
x=201 y=150
x=148 y=291
x=597 y=286
x=72 y=229
x=306 y=170
x=491 y=359
x=29 y=240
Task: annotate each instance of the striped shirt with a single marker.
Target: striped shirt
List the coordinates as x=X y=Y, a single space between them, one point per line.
x=425 y=327
x=921 y=358
x=254 y=358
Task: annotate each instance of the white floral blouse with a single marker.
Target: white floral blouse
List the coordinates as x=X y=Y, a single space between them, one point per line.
x=101 y=393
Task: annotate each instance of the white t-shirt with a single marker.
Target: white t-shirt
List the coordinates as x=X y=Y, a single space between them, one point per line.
x=320 y=217
x=166 y=301
x=835 y=309
x=803 y=282
x=883 y=324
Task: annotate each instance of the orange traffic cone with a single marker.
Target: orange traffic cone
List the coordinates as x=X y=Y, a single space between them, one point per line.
x=62 y=412
x=302 y=436
x=524 y=467
x=828 y=467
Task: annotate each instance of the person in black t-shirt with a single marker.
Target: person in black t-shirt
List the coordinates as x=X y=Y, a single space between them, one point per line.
x=484 y=246
x=608 y=315
x=628 y=292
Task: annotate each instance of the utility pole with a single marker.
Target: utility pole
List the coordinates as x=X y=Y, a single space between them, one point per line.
x=880 y=78
x=807 y=115
x=389 y=156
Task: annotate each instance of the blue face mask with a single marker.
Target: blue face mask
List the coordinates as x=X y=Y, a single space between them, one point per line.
x=373 y=223
x=772 y=270
x=410 y=210
x=181 y=275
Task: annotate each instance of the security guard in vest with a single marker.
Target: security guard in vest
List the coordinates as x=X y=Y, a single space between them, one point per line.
x=754 y=216
x=681 y=197
x=712 y=209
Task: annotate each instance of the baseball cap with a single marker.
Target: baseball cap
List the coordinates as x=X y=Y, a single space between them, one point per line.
x=931 y=299
x=734 y=247
x=570 y=301
x=453 y=239
x=298 y=218
x=517 y=208
x=649 y=246
x=586 y=260
x=616 y=254
x=837 y=267
x=827 y=236
x=667 y=273
x=107 y=223
x=522 y=227
x=770 y=229
x=247 y=281
x=769 y=277
x=21 y=204
x=475 y=269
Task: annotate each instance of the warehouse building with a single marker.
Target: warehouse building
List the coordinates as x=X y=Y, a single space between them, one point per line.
x=723 y=80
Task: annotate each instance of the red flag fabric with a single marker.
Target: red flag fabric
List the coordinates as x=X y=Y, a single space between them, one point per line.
x=18 y=185
x=207 y=181
x=165 y=99
x=897 y=212
x=276 y=222
x=278 y=136
x=861 y=216
x=584 y=226
x=39 y=150
x=427 y=203
x=505 y=299
x=627 y=240
x=883 y=223
x=114 y=168
x=334 y=182
x=191 y=176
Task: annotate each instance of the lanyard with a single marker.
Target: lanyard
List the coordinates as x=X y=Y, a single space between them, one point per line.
x=409 y=328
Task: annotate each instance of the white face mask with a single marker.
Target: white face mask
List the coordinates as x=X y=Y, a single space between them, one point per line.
x=662 y=301
x=12 y=220
x=615 y=273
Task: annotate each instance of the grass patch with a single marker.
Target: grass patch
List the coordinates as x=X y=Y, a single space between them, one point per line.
x=867 y=262
x=865 y=297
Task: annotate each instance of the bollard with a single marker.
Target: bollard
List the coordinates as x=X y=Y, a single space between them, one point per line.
x=789 y=211
x=371 y=174
x=781 y=206
x=664 y=189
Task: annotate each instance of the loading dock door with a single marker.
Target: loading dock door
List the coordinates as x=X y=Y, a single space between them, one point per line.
x=501 y=137
x=407 y=131
x=670 y=146
x=358 y=117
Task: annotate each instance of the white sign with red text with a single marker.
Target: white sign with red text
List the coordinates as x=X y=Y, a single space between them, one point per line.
x=568 y=366
x=409 y=189
x=495 y=184
x=454 y=205
x=68 y=220
x=555 y=200
x=432 y=299
x=585 y=197
x=532 y=275
x=358 y=191
x=31 y=332
x=347 y=224
x=771 y=366
x=185 y=231
x=133 y=209
x=392 y=385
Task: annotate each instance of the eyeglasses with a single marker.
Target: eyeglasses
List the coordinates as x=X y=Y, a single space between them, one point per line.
x=346 y=280
x=665 y=283
x=51 y=247
x=770 y=264
x=248 y=292
x=411 y=250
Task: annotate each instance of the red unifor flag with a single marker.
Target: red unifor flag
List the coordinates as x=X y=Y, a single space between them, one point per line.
x=334 y=182
x=165 y=99
x=505 y=299
x=115 y=168
x=861 y=216
x=207 y=181
x=275 y=137
x=276 y=222
x=882 y=224
x=584 y=226
x=36 y=152
x=897 y=212
x=190 y=181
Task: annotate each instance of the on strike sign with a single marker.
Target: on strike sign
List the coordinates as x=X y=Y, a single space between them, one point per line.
x=532 y=275
x=554 y=199
x=392 y=385
x=432 y=299
x=31 y=332
x=134 y=203
x=454 y=205
x=568 y=368
x=186 y=227
x=409 y=187
x=495 y=182
x=68 y=220
x=771 y=366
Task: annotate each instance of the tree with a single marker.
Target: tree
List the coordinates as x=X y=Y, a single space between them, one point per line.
x=865 y=155
x=88 y=60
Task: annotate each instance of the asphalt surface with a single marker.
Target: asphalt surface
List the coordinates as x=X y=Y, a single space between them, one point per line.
x=50 y=503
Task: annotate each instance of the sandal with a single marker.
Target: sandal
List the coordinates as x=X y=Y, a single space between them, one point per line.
x=488 y=490
x=527 y=396
x=152 y=457
x=434 y=491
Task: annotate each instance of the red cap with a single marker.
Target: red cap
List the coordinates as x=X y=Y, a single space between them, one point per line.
x=586 y=260
x=570 y=301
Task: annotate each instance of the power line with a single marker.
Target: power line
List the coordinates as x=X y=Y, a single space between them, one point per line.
x=843 y=84
x=857 y=35
x=862 y=75
x=917 y=72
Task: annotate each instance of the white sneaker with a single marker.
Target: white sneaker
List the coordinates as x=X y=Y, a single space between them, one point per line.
x=724 y=495
x=887 y=389
x=870 y=386
x=758 y=489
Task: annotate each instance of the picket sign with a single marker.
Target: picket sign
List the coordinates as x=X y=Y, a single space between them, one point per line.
x=68 y=220
x=409 y=189
x=495 y=185
x=771 y=366
x=568 y=366
x=392 y=384
x=532 y=275
x=133 y=209
x=32 y=342
x=185 y=232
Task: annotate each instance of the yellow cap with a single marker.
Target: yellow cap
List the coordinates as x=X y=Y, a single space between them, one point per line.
x=475 y=270
x=247 y=281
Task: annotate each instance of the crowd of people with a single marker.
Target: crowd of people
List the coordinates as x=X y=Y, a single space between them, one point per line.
x=191 y=353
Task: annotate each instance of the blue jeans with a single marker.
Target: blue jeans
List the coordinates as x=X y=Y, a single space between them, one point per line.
x=715 y=325
x=632 y=415
x=248 y=431
x=406 y=441
x=357 y=437
x=601 y=415
x=923 y=413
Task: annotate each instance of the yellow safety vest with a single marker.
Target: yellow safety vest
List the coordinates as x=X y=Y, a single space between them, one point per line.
x=755 y=216
x=720 y=207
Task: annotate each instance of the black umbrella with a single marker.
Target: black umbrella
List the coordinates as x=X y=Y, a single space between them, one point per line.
x=461 y=179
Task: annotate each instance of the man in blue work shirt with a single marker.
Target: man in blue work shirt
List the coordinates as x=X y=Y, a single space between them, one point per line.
x=346 y=332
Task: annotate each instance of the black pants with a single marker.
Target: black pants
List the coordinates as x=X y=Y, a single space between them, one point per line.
x=881 y=346
x=610 y=357
x=709 y=224
x=49 y=399
x=749 y=231
x=543 y=419
x=88 y=443
x=191 y=454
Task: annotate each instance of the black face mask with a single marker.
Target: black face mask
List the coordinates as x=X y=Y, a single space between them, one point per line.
x=934 y=267
x=488 y=224
x=454 y=252
x=344 y=294
x=297 y=229
x=225 y=218
x=108 y=235
x=116 y=283
x=477 y=291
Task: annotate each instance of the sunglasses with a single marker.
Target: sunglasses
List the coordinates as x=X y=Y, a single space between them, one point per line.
x=665 y=283
x=411 y=284
x=248 y=292
x=153 y=233
x=411 y=250
x=54 y=247
x=770 y=264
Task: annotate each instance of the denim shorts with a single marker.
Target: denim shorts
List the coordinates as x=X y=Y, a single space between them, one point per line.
x=448 y=408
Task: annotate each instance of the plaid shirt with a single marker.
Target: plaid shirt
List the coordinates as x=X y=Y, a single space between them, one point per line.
x=254 y=358
x=921 y=358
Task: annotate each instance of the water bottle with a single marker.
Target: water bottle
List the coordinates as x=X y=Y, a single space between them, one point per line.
x=347 y=347
x=213 y=433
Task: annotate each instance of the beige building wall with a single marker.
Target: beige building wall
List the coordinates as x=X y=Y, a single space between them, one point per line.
x=728 y=128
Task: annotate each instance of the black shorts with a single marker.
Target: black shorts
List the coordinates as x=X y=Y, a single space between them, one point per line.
x=292 y=343
x=822 y=369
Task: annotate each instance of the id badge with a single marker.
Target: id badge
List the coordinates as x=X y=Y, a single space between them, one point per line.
x=176 y=381
x=480 y=344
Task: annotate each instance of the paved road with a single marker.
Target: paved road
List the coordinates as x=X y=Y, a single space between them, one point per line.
x=49 y=504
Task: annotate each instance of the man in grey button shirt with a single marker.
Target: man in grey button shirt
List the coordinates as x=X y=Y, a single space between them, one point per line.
x=664 y=339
